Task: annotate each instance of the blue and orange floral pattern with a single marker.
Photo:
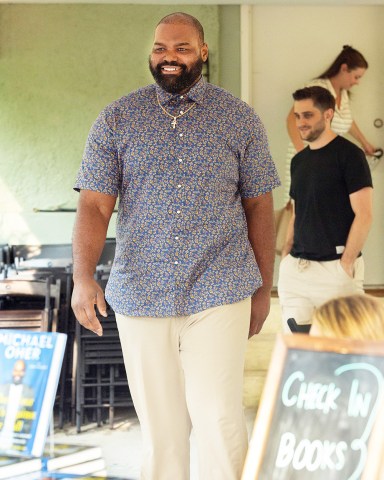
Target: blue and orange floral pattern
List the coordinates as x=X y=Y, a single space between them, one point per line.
x=182 y=242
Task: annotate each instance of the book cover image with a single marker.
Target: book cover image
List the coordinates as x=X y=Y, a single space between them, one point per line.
x=61 y=455
x=30 y=365
x=65 y=476
x=12 y=466
x=92 y=467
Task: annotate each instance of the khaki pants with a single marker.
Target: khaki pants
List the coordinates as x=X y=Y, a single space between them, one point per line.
x=304 y=285
x=183 y=372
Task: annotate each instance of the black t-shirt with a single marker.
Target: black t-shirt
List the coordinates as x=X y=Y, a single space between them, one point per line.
x=321 y=182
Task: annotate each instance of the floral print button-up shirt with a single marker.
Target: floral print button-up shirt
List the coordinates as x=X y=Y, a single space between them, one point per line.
x=182 y=240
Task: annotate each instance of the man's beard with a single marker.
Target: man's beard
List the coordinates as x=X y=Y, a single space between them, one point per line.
x=315 y=133
x=177 y=83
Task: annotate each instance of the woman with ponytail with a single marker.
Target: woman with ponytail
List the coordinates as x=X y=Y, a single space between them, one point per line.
x=345 y=71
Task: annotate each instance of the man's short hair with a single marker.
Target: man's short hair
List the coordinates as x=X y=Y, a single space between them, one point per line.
x=186 y=19
x=321 y=97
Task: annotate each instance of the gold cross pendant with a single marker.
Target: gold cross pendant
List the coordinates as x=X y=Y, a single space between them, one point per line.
x=173 y=123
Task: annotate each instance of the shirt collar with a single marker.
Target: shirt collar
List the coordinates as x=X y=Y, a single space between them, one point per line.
x=196 y=93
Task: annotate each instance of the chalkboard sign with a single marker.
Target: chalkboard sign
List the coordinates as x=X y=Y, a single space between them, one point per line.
x=321 y=414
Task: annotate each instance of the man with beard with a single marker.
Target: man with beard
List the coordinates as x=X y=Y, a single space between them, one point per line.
x=193 y=269
x=331 y=187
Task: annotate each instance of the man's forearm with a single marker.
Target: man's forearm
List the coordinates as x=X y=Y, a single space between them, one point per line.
x=361 y=202
x=262 y=235
x=88 y=241
x=89 y=235
x=289 y=237
x=356 y=238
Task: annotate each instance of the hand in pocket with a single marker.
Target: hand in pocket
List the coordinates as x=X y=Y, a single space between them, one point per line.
x=348 y=268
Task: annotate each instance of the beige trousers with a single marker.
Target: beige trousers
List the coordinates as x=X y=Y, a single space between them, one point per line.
x=305 y=284
x=183 y=372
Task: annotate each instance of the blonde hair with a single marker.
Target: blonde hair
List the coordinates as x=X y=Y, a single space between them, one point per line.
x=359 y=317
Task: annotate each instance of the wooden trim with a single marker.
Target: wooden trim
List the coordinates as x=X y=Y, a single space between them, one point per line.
x=375 y=290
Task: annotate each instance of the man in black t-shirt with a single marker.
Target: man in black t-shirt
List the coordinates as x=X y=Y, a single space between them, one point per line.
x=331 y=188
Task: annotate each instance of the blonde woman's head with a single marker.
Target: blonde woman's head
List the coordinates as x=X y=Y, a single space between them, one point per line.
x=359 y=317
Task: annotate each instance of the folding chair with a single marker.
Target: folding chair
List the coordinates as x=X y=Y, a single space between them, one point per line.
x=29 y=304
x=297 y=328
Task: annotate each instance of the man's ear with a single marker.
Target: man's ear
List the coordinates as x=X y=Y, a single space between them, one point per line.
x=204 y=52
x=328 y=114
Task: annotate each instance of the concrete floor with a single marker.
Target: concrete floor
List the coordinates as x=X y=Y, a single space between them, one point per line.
x=121 y=445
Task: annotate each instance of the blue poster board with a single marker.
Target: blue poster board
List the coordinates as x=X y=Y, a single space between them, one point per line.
x=30 y=366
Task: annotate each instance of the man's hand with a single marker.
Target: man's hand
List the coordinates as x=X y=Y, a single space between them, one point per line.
x=347 y=267
x=368 y=148
x=86 y=294
x=261 y=303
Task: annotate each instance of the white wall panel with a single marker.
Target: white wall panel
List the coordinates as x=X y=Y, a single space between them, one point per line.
x=292 y=44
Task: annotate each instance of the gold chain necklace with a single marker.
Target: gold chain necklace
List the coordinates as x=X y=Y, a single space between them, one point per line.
x=175 y=117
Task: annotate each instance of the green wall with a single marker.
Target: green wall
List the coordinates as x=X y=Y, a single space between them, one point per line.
x=59 y=66
x=229 y=49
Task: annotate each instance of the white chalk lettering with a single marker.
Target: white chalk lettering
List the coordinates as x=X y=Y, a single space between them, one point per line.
x=359 y=404
x=290 y=401
x=286 y=449
x=309 y=396
x=310 y=455
x=300 y=459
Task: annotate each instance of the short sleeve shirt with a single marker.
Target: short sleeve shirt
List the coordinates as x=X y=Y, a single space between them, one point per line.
x=181 y=241
x=322 y=181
